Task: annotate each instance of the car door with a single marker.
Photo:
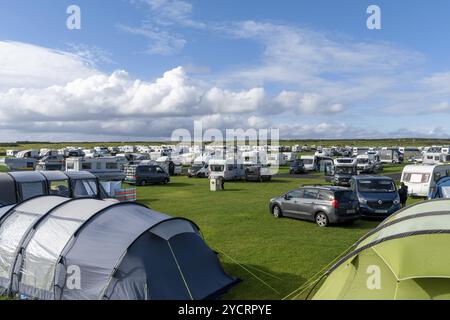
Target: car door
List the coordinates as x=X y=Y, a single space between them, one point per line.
x=308 y=202
x=290 y=204
x=160 y=174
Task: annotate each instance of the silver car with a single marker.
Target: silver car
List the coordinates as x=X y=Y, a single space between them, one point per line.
x=322 y=204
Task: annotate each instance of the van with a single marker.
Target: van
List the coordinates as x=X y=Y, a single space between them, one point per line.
x=378 y=196
x=340 y=173
x=309 y=162
x=227 y=169
x=421 y=179
x=143 y=175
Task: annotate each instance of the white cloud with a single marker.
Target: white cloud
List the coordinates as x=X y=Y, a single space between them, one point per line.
x=27 y=66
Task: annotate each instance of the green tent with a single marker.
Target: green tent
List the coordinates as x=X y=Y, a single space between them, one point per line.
x=405 y=257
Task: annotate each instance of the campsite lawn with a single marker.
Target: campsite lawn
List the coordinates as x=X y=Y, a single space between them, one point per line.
x=282 y=253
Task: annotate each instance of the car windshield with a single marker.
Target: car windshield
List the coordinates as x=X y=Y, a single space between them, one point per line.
x=363 y=160
x=376 y=186
x=344 y=170
x=197 y=167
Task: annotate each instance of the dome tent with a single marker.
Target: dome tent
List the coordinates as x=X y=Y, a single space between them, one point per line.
x=406 y=257
x=55 y=248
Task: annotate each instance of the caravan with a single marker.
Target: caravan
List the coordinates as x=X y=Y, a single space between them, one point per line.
x=109 y=168
x=227 y=169
x=19 y=164
x=421 y=179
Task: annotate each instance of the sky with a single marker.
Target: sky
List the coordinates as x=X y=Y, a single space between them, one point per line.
x=140 y=69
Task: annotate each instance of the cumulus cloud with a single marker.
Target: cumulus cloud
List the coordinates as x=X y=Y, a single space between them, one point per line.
x=24 y=65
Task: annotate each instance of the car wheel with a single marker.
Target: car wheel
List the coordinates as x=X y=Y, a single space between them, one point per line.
x=143 y=183
x=201 y=175
x=322 y=220
x=276 y=211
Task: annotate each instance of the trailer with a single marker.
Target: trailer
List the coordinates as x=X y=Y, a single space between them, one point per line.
x=107 y=168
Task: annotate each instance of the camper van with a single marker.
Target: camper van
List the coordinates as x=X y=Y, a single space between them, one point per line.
x=109 y=168
x=340 y=173
x=421 y=179
x=227 y=169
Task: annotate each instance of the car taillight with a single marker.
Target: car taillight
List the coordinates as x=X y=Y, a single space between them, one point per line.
x=335 y=204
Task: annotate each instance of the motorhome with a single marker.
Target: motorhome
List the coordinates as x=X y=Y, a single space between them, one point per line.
x=391 y=156
x=51 y=163
x=227 y=169
x=341 y=171
x=200 y=167
x=364 y=164
x=28 y=154
x=19 y=164
x=421 y=179
x=110 y=168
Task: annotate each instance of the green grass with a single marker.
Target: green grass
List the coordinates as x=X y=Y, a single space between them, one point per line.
x=283 y=253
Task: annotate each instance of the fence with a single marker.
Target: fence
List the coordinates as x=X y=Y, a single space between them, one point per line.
x=126 y=195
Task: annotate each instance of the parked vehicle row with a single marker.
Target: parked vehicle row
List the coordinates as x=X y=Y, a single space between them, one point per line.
x=368 y=197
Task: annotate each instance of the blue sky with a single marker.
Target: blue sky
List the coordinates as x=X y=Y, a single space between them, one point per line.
x=138 y=69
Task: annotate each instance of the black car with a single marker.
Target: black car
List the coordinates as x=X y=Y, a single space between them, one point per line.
x=145 y=174
x=297 y=167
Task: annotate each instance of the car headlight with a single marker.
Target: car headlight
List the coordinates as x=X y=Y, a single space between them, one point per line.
x=363 y=201
x=396 y=201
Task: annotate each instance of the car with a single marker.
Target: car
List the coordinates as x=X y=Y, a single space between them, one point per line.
x=323 y=204
x=142 y=175
x=297 y=167
x=378 y=196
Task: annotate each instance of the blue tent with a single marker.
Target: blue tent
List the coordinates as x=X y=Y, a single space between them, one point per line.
x=442 y=189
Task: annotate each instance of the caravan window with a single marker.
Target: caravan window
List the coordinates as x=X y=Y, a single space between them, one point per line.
x=60 y=188
x=84 y=188
x=99 y=166
x=32 y=189
x=230 y=167
x=86 y=166
x=112 y=166
x=416 y=177
x=217 y=168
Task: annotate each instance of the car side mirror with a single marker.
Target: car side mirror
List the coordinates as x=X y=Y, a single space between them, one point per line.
x=287 y=197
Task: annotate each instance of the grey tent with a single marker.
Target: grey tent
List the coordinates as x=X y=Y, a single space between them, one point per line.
x=53 y=247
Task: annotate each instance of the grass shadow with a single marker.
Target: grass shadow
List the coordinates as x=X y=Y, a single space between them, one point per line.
x=259 y=282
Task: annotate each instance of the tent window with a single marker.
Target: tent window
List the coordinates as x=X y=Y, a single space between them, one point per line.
x=84 y=188
x=60 y=188
x=31 y=189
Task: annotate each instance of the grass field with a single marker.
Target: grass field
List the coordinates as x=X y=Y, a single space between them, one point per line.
x=272 y=257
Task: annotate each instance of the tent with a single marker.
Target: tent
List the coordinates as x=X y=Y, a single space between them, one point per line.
x=55 y=248
x=405 y=257
x=442 y=189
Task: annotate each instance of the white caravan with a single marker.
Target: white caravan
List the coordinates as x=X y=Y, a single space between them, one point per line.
x=435 y=158
x=310 y=162
x=172 y=166
x=109 y=168
x=227 y=169
x=421 y=179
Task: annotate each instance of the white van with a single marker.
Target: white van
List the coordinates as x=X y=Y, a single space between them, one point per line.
x=421 y=179
x=227 y=169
